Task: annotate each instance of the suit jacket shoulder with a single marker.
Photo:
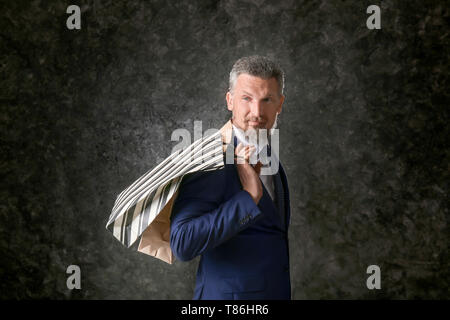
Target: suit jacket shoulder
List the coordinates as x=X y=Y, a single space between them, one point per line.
x=198 y=185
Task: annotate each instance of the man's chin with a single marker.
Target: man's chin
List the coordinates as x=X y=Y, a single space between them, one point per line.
x=254 y=128
x=257 y=126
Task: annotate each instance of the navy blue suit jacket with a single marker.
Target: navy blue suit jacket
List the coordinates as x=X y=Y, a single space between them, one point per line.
x=243 y=246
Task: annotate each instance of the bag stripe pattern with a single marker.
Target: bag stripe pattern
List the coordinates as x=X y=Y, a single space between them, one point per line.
x=138 y=205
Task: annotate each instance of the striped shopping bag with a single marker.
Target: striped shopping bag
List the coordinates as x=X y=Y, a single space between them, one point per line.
x=143 y=209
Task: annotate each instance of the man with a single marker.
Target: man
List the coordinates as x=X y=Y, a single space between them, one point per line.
x=235 y=219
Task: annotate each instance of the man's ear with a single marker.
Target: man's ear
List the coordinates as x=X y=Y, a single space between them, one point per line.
x=229 y=98
x=281 y=104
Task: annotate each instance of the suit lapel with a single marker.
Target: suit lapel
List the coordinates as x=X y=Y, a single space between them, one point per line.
x=286 y=201
x=281 y=205
x=282 y=195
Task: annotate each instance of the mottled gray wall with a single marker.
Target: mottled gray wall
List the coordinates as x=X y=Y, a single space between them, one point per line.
x=364 y=137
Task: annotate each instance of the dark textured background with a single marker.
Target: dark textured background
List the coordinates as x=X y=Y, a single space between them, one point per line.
x=364 y=137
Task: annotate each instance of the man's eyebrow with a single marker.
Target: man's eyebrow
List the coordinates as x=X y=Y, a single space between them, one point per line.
x=249 y=94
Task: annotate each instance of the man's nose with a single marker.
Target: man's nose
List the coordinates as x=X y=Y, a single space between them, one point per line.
x=256 y=109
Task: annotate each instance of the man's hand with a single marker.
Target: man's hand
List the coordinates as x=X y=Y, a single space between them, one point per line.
x=248 y=174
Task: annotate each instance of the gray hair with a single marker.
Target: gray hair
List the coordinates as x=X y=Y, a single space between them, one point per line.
x=257 y=66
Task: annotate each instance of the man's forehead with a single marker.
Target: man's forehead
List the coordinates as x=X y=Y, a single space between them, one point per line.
x=246 y=82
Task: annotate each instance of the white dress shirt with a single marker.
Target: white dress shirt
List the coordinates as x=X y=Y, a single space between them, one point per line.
x=267 y=180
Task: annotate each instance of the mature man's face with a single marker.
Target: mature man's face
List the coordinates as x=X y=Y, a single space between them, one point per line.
x=255 y=102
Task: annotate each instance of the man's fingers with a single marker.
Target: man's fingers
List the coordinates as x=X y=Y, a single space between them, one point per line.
x=243 y=153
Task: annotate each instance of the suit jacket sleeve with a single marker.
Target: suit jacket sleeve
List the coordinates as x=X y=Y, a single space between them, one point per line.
x=202 y=220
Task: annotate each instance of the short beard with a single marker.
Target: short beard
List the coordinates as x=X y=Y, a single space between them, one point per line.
x=269 y=132
x=274 y=126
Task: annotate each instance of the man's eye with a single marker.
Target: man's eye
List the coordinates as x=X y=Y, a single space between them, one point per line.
x=246 y=98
